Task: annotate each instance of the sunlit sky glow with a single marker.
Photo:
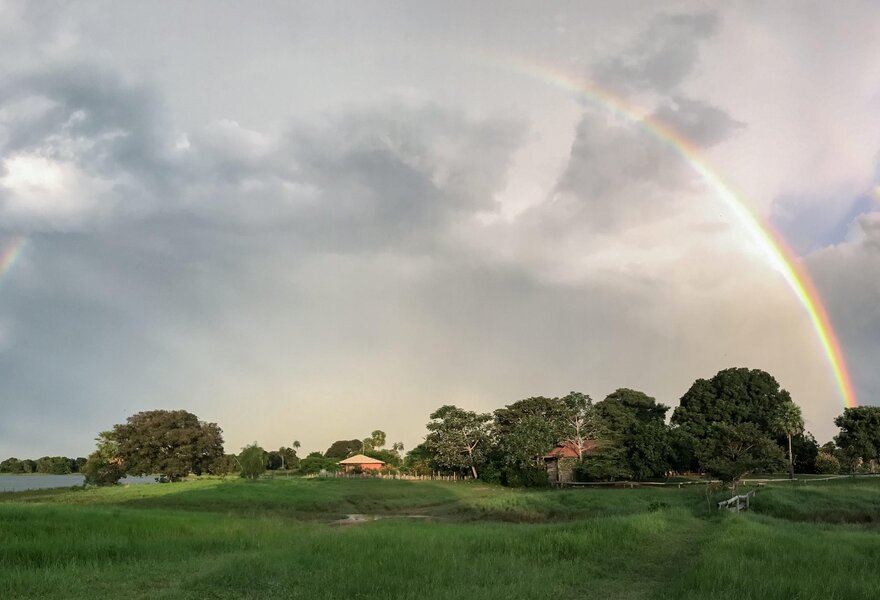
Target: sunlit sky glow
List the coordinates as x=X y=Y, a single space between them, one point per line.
x=312 y=221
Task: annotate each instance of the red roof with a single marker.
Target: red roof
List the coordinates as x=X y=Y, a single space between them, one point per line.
x=568 y=451
x=360 y=459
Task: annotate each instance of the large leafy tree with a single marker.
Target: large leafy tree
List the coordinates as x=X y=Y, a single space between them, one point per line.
x=171 y=443
x=635 y=424
x=859 y=437
x=527 y=429
x=732 y=397
x=624 y=406
x=458 y=438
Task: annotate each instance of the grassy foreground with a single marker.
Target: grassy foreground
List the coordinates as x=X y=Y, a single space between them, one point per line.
x=279 y=539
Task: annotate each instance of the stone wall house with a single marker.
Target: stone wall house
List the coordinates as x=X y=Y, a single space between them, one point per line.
x=561 y=461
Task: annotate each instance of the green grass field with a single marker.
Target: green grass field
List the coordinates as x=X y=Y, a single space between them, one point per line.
x=279 y=539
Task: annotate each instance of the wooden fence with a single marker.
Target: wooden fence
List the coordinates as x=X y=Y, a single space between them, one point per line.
x=402 y=476
x=736 y=504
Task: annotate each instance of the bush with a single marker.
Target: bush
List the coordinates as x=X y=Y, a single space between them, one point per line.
x=827 y=463
x=530 y=477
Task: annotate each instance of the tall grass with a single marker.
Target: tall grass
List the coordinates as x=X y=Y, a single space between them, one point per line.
x=275 y=539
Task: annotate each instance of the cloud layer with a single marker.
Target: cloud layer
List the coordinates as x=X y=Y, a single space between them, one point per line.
x=376 y=250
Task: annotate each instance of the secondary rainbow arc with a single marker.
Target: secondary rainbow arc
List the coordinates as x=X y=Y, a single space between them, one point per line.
x=770 y=242
x=9 y=254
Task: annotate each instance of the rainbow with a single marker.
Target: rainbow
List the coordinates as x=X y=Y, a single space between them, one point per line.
x=9 y=254
x=771 y=243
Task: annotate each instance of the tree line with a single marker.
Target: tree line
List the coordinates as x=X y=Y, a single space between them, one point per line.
x=174 y=444
x=736 y=423
x=49 y=465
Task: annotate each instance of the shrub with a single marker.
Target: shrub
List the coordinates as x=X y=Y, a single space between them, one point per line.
x=530 y=477
x=827 y=463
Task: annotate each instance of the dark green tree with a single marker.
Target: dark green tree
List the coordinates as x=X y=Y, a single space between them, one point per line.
x=171 y=443
x=624 y=406
x=525 y=431
x=806 y=451
x=53 y=465
x=224 y=465
x=104 y=466
x=12 y=465
x=733 y=451
x=344 y=448
x=732 y=397
x=636 y=425
x=419 y=461
x=859 y=437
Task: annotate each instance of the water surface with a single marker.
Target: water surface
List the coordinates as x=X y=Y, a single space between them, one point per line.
x=19 y=483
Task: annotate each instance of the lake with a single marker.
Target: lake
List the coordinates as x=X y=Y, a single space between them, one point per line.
x=19 y=483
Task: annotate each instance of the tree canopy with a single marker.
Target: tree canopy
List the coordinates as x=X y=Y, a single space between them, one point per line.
x=734 y=420
x=344 y=448
x=171 y=443
x=458 y=438
x=859 y=437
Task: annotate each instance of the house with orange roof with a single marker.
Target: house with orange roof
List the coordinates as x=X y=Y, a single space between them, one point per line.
x=359 y=463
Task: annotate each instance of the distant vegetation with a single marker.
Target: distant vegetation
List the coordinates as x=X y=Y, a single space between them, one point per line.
x=737 y=423
x=50 y=465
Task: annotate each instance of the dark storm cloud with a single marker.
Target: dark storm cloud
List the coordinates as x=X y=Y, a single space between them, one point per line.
x=199 y=240
x=376 y=178
x=848 y=279
x=663 y=56
x=94 y=117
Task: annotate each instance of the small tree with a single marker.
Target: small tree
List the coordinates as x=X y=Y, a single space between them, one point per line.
x=734 y=451
x=827 y=463
x=789 y=422
x=253 y=461
x=581 y=424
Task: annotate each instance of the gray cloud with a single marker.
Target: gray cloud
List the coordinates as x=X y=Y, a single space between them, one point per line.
x=617 y=175
x=277 y=246
x=701 y=123
x=848 y=278
x=663 y=56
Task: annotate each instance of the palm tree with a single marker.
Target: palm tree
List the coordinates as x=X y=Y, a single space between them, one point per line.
x=790 y=422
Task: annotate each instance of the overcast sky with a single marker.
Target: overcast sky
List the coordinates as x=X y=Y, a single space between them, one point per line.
x=309 y=221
